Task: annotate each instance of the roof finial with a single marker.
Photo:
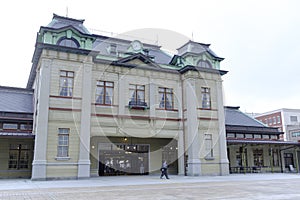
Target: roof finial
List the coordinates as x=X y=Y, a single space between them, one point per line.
x=67 y=11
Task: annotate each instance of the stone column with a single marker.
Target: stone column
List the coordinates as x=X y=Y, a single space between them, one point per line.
x=85 y=127
x=193 y=143
x=39 y=164
x=224 y=163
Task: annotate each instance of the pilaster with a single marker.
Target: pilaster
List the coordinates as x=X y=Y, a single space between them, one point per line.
x=193 y=143
x=85 y=128
x=41 y=121
x=224 y=163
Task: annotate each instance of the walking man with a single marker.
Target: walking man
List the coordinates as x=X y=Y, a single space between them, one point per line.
x=164 y=170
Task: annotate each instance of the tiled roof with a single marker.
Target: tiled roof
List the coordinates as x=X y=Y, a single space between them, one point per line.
x=16 y=100
x=60 y=22
x=233 y=116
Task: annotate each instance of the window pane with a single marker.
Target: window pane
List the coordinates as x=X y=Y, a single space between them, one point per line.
x=140 y=95
x=162 y=100
x=70 y=74
x=133 y=87
x=141 y=87
x=109 y=95
x=132 y=95
x=10 y=126
x=25 y=126
x=169 y=101
x=63 y=73
x=161 y=89
x=100 y=95
x=110 y=84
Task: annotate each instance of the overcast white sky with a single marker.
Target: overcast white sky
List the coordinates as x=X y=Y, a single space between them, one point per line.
x=259 y=39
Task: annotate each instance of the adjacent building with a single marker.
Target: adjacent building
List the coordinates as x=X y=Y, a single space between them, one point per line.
x=254 y=147
x=16 y=138
x=286 y=120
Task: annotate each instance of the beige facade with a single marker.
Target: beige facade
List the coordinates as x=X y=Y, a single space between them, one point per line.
x=77 y=136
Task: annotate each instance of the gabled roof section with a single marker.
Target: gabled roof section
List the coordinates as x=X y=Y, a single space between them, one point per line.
x=59 y=22
x=233 y=116
x=127 y=60
x=197 y=48
x=17 y=100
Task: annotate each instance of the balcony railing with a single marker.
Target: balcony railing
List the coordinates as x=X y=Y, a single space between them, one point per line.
x=137 y=105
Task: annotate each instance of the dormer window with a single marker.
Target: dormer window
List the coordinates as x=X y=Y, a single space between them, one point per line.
x=113 y=49
x=204 y=64
x=68 y=42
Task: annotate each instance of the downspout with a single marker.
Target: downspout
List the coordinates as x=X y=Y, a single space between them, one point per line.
x=183 y=125
x=296 y=157
x=272 y=158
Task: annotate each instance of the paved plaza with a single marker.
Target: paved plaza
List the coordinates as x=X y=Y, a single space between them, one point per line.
x=241 y=186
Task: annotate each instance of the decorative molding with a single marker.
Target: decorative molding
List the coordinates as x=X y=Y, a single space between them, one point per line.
x=65 y=97
x=65 y=109
x=135 y=117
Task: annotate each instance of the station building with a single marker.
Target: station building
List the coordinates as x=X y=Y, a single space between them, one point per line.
x=109 y=106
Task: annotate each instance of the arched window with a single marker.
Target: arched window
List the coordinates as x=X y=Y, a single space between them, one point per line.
x=68 y=42
x=205 y=64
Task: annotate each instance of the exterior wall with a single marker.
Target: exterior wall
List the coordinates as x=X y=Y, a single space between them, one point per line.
x=86 y=119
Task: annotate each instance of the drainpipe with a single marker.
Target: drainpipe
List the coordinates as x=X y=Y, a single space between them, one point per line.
x=183 y=125
x=272 y=158
x=297 y=164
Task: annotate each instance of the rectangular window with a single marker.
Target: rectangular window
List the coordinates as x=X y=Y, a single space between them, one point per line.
x=10 y=126
x=230 y=135
x=166 y=98
x=18 y=156
x=66 y=83
x=208 y=145
x=113 y=49
x=273 y=137
x=25 y=127
x=294 y=118
x=274 y=120
x=258 y=157
x=257 y=136
x=266 y=136
x=278 y=120
x=248 y=136
x=63 y=142
x=206 y=101
x=104 y=92
x=270 y=121
x=136 y=93
x=295 y=134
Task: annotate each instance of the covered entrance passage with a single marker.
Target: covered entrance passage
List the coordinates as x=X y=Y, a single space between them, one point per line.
x=123 y=159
